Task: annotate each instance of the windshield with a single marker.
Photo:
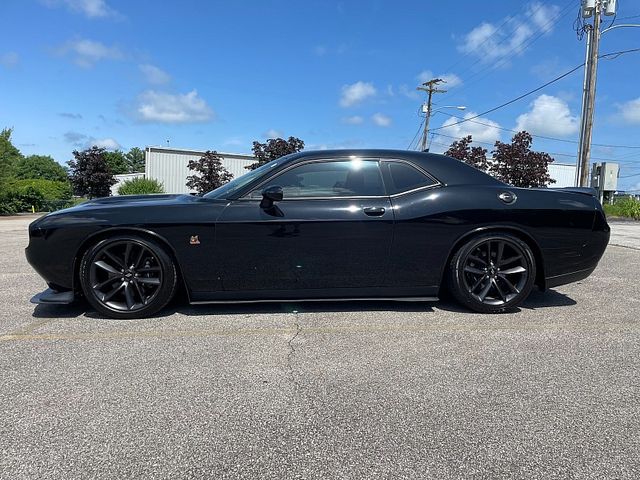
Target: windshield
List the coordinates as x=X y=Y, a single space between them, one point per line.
x=228 y=189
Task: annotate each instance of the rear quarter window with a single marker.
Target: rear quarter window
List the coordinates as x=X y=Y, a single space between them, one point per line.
x=404 y=177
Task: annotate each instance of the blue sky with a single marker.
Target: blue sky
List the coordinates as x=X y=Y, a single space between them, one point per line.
x=218 y=75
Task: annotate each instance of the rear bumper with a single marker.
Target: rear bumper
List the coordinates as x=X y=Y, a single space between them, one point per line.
x=565 y=278
x=53 y=297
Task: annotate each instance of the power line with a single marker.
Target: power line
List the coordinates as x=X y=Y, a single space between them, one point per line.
x=544 y=137
x=531 y=92
x=416 y=135
x=514 y=100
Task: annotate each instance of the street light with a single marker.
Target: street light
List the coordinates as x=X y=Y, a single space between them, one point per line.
x=426 y=109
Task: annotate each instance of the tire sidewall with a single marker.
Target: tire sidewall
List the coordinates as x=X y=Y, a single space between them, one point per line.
x=161 y=299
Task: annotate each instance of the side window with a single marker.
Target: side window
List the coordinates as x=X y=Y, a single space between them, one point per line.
x=330 y=179
x=405 y=177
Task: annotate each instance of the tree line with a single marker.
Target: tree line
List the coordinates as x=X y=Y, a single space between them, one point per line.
x=40 y=182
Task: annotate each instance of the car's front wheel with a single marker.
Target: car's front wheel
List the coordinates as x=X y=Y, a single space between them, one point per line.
x=492 y=273
x=127 y=277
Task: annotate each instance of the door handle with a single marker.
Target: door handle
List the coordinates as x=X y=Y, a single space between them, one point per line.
x=374 y=211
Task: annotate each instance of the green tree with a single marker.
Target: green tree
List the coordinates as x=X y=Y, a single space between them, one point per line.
x=209 y=173
x=474 y=156
x=117 y=162
x=90 y=174
x=135 y=160
x=516 y=164
x=140 y=186
x=9 y=155
x=273 y=149
x=40 y=166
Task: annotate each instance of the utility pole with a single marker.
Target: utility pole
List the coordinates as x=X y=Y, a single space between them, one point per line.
x=430 y=87
x=590 y=8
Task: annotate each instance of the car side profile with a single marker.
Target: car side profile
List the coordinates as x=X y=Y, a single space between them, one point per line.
x=340 y=225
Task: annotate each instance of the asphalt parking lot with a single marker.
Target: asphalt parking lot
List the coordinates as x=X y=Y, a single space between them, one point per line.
x=327 y=390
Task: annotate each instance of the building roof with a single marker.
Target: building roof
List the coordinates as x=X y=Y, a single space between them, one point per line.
x=187 y=151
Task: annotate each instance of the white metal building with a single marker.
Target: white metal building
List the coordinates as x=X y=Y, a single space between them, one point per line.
x=563 y=173
x=120 y=179
x=170 y=166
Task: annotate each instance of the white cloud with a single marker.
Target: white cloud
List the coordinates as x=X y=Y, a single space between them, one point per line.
x=353 y=120
x=549 y=115
x=408 y=92
x=89 y=8
x=87 y=52
x=163 y=107
x=543 y=16
x=356 y=93
x=489 y=42
x=9 y=59
x=154 y=75
x=630 y=111
x=272 y=133
x=381 y=120
x=108 y=143
x=451 y=79
x=85 y=141
x=481 y=129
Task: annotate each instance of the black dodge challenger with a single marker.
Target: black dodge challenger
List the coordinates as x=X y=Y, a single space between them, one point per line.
x=343 y=224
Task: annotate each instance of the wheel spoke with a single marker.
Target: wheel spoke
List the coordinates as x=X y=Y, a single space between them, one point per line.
x=114 y=259
x=477 y=259
x=509 y=271
x=483 y=293
x=502 y=295
x=148 y=269
x=149 y=281
x=474 y=270
x=511 y=286
x=477 y=284
x=140 y=255
x=500 y=252
x=509 y=260
x=105 y=266
x=488 y=251
x=128 y=296
x=127 y=254
x=109 y=281
x=143 y=299
x=109 y=295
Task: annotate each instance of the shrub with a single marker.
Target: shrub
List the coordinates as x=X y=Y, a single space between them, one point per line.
x=140 y=186
x=629 y=207
x=43 y=195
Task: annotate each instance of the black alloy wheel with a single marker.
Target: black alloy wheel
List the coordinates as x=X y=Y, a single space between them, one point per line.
x=127 y=277
x=492 y=273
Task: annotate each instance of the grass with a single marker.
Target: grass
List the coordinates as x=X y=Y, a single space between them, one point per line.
x=627 y=207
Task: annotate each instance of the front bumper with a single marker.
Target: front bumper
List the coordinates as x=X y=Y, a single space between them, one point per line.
x=53 y=297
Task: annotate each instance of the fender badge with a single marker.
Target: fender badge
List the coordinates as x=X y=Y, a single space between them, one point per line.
x=194 y=240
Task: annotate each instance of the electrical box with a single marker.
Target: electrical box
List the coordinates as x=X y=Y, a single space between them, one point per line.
x=610 y=7
x=604 y=176
x=588 y=6
x=425 y=108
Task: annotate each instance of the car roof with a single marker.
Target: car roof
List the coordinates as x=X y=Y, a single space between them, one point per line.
x=447 y=170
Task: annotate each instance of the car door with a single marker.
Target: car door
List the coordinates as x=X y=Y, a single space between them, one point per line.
x=332 y=230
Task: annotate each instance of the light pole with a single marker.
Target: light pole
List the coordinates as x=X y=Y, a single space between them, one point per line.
x=428 y=112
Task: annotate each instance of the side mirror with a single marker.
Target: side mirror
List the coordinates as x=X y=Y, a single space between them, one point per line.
x=270 y=195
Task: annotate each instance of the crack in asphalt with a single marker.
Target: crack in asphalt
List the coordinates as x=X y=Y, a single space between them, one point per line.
x=292 y=351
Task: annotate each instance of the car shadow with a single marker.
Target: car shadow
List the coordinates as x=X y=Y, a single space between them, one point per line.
x=536 y=300
x=300 y=307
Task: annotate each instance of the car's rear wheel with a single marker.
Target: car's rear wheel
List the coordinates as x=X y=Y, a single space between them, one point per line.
x=492 y=273
x=127 y=277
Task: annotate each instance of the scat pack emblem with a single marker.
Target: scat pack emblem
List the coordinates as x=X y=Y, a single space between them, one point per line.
x=194 y=240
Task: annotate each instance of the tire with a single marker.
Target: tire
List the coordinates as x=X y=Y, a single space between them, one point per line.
x=127 y=276
x=492 y=273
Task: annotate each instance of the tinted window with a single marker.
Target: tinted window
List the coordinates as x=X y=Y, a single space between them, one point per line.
x=330 y=179
x=404 y=177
